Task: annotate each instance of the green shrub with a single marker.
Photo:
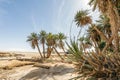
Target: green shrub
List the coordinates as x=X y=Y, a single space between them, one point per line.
x=75 y=50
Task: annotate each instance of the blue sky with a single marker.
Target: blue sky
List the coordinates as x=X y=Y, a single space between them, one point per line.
x=18 y=18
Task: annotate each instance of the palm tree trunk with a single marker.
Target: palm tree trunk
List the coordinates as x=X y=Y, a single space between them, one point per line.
x=115 y=23
x=63 y=49
x=39 y=51
x=58 y=53
x=43 y=50
x=49 y=50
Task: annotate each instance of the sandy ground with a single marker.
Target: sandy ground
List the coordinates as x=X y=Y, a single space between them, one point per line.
x=58 y=70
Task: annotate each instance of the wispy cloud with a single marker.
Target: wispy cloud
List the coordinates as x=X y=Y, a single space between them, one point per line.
x=33 y=22
x=36 y=24
x=60 y=9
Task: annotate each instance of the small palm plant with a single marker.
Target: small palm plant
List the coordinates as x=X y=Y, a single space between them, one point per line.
x=33 y=39
x=75 y=49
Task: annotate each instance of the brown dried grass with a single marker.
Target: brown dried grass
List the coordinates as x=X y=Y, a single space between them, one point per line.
x=14 y=63
x=5 y=54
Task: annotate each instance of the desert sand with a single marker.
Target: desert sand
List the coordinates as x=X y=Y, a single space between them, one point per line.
x=12 y=68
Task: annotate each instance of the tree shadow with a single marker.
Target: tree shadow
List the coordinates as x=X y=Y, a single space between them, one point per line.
x=43 y=74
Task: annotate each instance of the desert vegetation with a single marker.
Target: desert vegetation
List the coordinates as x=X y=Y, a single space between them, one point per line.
x=102 y=36
x=49 y=40
x=94 y=55
x=103 y=63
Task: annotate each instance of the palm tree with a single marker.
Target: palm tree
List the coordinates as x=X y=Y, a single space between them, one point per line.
x=55 y=44
x=42 y=38
x=82 y=18
x=111 y=9
x=33 y=39
x=105 y=26
x=52 y=44
x=49 y=44
x=61 y=37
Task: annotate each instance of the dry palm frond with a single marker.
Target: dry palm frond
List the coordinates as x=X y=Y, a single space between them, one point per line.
x=101 y=66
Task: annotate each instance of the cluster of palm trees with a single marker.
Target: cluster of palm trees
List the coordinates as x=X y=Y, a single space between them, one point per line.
x=49 y=40
x=104 y=34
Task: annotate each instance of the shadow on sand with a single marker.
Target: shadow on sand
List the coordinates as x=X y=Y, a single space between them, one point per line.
x=46 y=74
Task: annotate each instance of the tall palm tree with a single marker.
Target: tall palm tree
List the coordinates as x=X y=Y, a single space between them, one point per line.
x=82 y=18
x=61 y=37
x=42 y=37
x=55 y=44
x=49 y=44
x=111 y=9
x=52 y=44
x=33 y=39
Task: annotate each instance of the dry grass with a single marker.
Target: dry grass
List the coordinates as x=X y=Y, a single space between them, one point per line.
x=9 y=54
x=14 y=63
x=5 y=54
